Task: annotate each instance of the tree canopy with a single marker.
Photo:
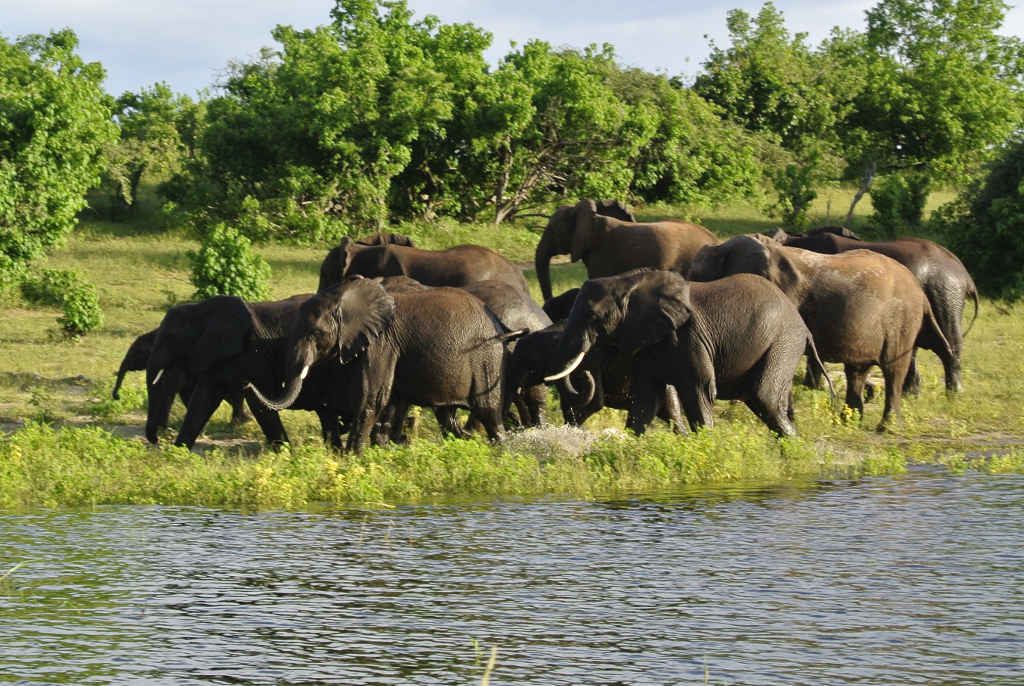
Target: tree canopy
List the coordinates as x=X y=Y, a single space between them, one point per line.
x=55 y=121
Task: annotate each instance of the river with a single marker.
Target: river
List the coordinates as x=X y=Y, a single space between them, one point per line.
x=914 y=579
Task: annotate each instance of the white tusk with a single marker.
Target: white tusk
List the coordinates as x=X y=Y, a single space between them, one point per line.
x=156 y=379
x=568 y=370
x=305 y=370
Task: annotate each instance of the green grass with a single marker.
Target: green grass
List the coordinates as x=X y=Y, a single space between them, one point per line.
x=98 y=456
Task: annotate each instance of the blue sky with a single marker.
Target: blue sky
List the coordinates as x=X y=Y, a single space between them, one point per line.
x=188 y=43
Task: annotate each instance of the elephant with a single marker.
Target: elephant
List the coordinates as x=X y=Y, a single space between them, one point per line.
x=609 y=241
x=737 y=338
x=558 y=307
x=458 y=266
x=605 y=376
x=945 y=280
x=224 y=343
x=862 y=307
x=137 y=356
x=439 y=347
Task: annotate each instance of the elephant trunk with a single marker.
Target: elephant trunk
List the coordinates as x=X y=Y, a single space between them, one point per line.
x=575 y=344
x=542 y=264
x=299 y=364
x=116 y=393
x=583 y=397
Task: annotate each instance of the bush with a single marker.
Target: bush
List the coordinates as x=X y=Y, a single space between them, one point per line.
x=68 y=290
x=899 y=201
x=983 y=226
x=226 y=265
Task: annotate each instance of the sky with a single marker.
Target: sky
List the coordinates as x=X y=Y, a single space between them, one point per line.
x=188 y=43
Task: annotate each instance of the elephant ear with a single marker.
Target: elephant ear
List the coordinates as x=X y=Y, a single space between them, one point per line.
x=583 y=235
x=654 y=309
x=336 y=265
x=366 y=310
x=227 y=325
x=782 y=271
x=615 y=208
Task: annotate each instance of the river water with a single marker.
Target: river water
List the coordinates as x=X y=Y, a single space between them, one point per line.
x=915 y=579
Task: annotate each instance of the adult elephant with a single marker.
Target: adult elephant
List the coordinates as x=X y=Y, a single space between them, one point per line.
x=608 y=240
x=222 y=344
x=458 y=266
x=945 y=280
x=602 y=379
x=862 y=307
x=135 y=359
x=436 y=348
x=737 y=338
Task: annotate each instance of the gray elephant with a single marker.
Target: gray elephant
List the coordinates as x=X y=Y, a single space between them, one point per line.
x=862 y=307
x=222 y=344
x=435 y=348
x=135 y=359
x=609 y=241
x=945 y=280
x=737 y=338
x=602 y=379
x=458 y=266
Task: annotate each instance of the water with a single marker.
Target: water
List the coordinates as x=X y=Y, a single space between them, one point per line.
x=908 y=580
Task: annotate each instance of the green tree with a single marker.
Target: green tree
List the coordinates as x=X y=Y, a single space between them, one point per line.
x=55 y=121
x=983 y=226
x=943 y=89
x=150 y=141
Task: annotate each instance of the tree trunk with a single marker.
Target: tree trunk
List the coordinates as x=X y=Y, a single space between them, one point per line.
x=870 y=170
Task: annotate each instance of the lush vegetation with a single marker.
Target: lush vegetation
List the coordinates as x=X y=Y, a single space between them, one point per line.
x=378 y=118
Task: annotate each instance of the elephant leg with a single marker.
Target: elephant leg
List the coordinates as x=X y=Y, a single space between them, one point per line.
x=673 y=410
x=912 y=384
x=239 y=413
x=399 y=411
x=448 y=421
x=269 y=421
x=201 y=405
x=895 y=373
x=773 y=411
x=489 y=415
x=856 y=377
x=535 y=400
x=330 y=427
x=813 y=378
x=161 y=397
x=697 y=405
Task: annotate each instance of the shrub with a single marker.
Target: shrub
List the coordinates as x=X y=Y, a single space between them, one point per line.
x=983 y=225
x=899 y=201
x=226 y=265
x=68 y=290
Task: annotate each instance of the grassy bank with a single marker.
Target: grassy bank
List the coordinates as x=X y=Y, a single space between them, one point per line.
x=98 y=456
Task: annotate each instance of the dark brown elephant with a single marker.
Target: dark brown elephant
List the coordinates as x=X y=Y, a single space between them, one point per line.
x=222 y=344
x=862 y=307
x=458 y=266
x=737 y=338
x=439 y=347
x=136 y=358
x=602 y=379
x=609 y=241
x=942 y=275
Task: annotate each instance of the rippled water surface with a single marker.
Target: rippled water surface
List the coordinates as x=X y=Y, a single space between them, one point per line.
x=917 y=579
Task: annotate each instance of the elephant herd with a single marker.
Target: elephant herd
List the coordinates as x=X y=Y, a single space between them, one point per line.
x=392 y=326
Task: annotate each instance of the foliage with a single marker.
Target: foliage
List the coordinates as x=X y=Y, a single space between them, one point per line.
x=899 y=202
x=54 y=125
x=226 y=265
x=149 y=141
x=68 y=290
x=984 y=225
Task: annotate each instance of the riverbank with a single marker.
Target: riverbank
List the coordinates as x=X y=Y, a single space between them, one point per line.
x=96 y=453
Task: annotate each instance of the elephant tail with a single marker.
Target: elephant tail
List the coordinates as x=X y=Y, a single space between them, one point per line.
x=972 y=291
x=930 y=337
x=814 y=359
